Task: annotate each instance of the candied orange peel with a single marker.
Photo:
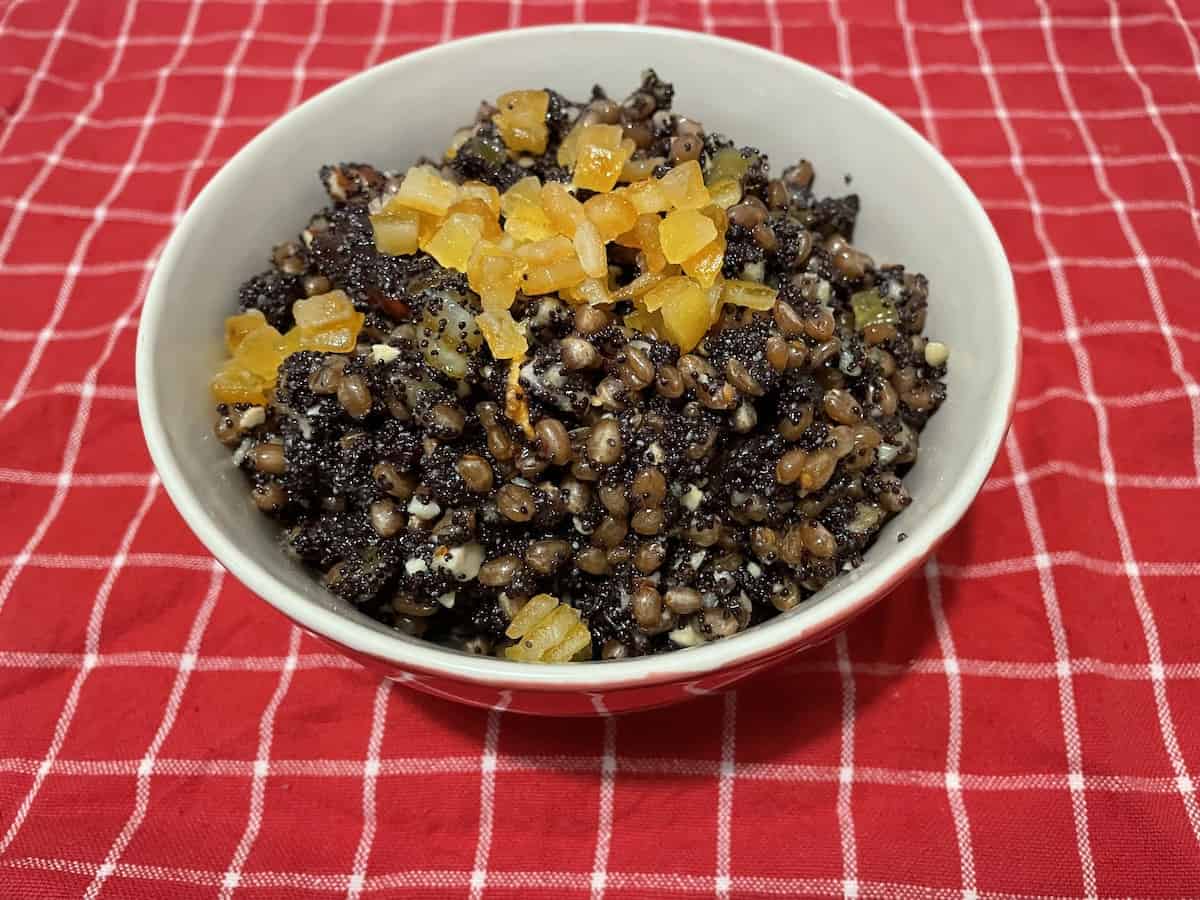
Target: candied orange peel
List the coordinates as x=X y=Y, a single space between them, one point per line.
x=547 y=630
x=537 y=239
x=326 y=322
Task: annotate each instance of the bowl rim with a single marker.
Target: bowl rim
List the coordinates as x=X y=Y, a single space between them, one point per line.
x=772 y=638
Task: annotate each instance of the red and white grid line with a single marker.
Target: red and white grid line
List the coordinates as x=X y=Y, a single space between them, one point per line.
x=1077 y=781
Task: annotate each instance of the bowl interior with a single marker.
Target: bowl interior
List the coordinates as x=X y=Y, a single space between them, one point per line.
x=915 y=210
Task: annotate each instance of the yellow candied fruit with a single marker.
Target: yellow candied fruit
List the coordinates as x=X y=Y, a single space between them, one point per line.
x=477 y=190
x=684 y=186
x=522 y=198
x=524 y=218
x=494 y=273
x=234 y=383
x=590 y=250
x=727 y=164
x=340 y=339
x=684 y=233
x=423 y=189
x=687 y=316
x=453 y=242
x=562 y=209
x=547 y=631
x=647 y=197
x=323 y=310
x=558 y=275
x=237 y=327
x=726 y=193
x=665 y=291
x=715 y=303
x=569 y=147
x=261 y=351
x=593 y=291
x=521 y=120
x=476 y=207
x=612 y=214
x=601 y=154
x=552 y=249
x=327 y=323
x=750 y=294
x=397 y=233
x=505 y=338
x=523 y=231
x=639 y=286
x=705 y=266
x=650 y=242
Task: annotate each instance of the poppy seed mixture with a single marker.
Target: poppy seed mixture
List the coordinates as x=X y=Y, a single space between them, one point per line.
x=592 y=385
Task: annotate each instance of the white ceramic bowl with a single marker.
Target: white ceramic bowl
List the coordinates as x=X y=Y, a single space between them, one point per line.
x=915 y=210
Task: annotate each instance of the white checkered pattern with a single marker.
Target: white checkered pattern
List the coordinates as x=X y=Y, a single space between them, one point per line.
x=1019 y=720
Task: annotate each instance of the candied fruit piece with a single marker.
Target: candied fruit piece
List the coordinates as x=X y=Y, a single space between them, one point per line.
x=477 y=190
x=601 y=154
x=706 y=265
x=339 y=339
x=576 y=645
x=686 y=316
x=524 y=218
x=554 y=276
x=525 y=195
x=612 y=214
x=726 y=193
x=237 y=327
x=647 y=197
x=590 y=250
x=523 y=230
x=494 y=273
x=323 y=310
x=397 y=233
x=684 y=233
x=505 y=338
x=451 y=246
x=476 y=207
x=750 y=294
x=261 y=351
x=234 y=383
x=550 y=250
x=872 y=309
x=639 y=286
x=684 y=186
x=562 y=209
x=547 y=631
x=650 y=242
x=660 y=294
x=593 y=291
x=569 y=147
x=727 y=164
x=423 y=189
x=521 y=120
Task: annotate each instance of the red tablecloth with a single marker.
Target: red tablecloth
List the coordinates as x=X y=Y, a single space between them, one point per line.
x=1022 y=719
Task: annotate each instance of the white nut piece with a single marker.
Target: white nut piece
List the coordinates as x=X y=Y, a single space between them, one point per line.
x=936 y=353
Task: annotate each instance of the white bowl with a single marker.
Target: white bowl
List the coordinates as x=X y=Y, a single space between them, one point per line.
x=915 y=209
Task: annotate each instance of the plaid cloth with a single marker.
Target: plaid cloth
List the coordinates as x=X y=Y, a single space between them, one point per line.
x=1021 y=719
